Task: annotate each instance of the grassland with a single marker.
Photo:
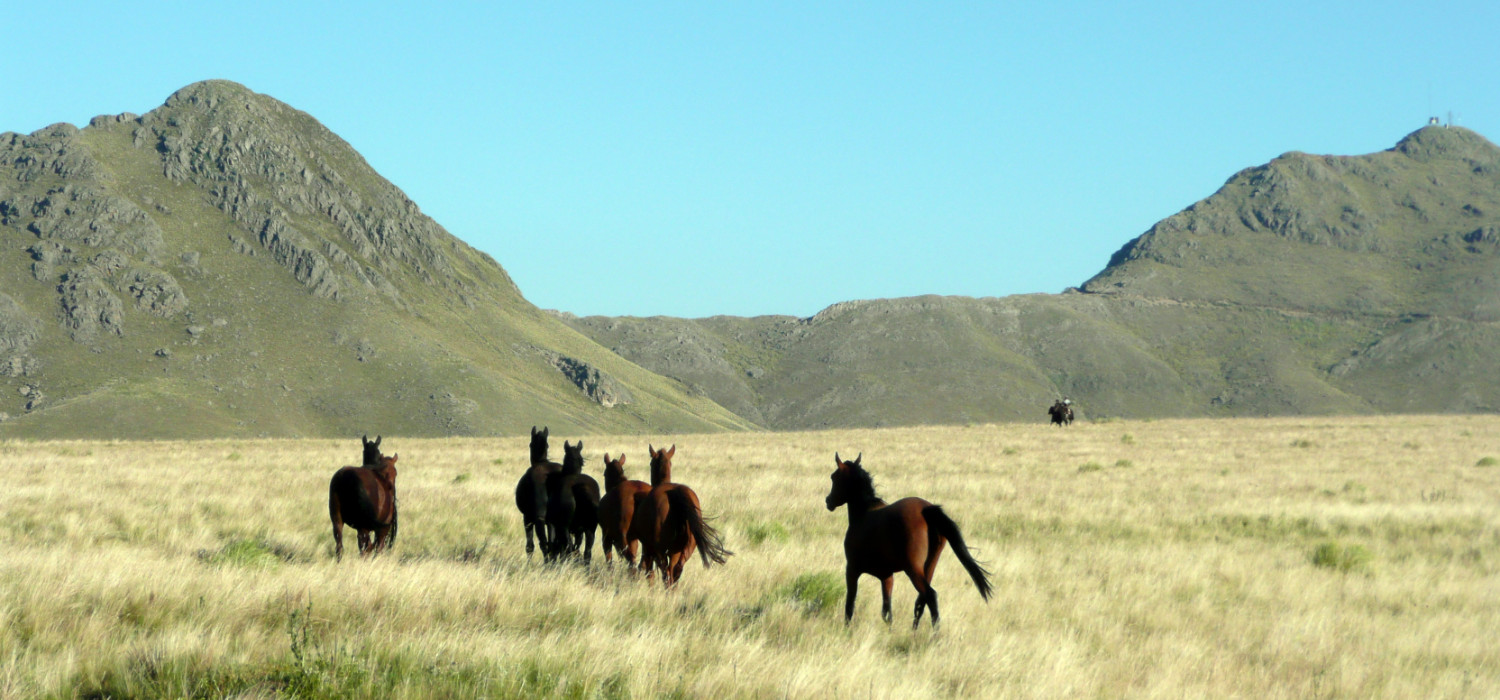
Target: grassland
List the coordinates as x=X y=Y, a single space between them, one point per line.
x=1275 y=558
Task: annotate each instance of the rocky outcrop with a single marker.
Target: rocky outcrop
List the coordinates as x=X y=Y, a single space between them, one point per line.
x=597 y=385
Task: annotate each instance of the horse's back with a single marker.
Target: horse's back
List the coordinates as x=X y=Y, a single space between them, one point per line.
x=889 y=537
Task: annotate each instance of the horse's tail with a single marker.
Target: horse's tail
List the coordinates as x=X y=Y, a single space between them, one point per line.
x=710 y=542
x=938 y=520
x=394 y=519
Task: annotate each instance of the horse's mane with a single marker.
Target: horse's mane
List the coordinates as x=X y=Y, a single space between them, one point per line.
x=860 y=484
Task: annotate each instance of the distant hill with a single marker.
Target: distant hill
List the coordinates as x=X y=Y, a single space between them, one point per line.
x=1312 y=284
x=225 y=265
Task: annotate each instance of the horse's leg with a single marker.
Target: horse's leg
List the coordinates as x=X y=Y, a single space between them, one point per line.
x=338 y=528
x=527 y=526
x=364 y=541
x=923 y=589
x=588 y=546
x=885 y=597
x=851 y=585
x=629 y=550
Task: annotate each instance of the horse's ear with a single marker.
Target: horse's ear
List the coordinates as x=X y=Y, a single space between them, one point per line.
x=838 y=461
x=580 y=445
x=533 y=431
x=377 y=441
x=545 y=430
x=858 y=458
x=651 y=450
x=622 y=459
x=364 y=439
x=672 y=451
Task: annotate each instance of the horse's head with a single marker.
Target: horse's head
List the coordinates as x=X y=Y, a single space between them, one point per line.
x=850 y=482
x=572 y=458
x=538 y=445
x=387 y=469
x=372 y=450
x=661 y=464
x=614 y=470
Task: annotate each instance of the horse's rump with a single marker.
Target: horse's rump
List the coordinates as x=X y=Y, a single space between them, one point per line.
x=364 y=501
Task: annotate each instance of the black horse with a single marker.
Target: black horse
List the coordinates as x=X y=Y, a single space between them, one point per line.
x=1061 y=412
x=372 y=450
x=572 y=506
x=531 y=492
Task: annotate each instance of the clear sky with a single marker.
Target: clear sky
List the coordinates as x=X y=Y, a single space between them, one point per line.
x=694 y=159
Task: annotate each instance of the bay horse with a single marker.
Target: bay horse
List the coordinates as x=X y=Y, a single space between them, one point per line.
x=669 y=524
x=364 y=498
x=906 y=536
x=531 y=492
x=617 y=508
x=572 y=506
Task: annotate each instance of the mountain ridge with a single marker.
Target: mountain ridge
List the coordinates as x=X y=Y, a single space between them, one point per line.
x=225 y=265
x=1310 y=284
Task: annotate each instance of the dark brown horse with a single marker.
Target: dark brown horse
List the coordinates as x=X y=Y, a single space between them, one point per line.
x=906 y=536
x=572 y=506
x=669 y=524
x=364 y=498
x=617 y=508
x=531 y=492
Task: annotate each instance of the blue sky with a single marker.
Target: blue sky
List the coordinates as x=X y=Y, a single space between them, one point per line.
x=754 y=158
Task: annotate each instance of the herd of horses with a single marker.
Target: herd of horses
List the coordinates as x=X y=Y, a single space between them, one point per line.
x=660 y=525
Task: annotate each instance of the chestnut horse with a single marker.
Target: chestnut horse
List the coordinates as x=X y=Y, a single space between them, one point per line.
x=572 y=506
x=531 y=492
x=906 y=536
x=364 y=498
x=669 y=524
x=617 y=508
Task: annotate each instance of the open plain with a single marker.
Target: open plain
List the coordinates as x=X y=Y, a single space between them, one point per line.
x=1267 y=558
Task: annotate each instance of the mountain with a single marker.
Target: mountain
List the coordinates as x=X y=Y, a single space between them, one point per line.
x=224 y=265
x=1311 y=284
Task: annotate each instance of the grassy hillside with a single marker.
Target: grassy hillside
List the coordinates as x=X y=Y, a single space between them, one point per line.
x=1313 y=284
x=225 y=265
x=1336 y=557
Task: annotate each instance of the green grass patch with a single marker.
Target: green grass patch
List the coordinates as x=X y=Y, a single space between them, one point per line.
x=1304 y=444
x=249 y=553
x=815 y=593
x=1087 y=467
x=1487 y=462
x=761 y=532
x=1341 y=557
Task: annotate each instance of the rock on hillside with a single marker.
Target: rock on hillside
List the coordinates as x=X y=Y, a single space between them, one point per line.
x=225 y=265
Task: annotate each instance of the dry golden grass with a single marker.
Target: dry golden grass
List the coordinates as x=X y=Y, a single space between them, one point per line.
x=1280 y=558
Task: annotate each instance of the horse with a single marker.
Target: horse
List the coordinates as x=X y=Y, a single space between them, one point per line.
x=572 y=506
x=531 y=492
x=371 y=450
x=364 y=498
x=1061 y=413
x=669 y=524
x=617 y=509
x=906 y=536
